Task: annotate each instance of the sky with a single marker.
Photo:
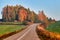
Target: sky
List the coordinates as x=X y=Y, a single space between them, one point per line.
x=51 y=8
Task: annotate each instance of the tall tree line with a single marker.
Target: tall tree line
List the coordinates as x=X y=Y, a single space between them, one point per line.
x=18 y=13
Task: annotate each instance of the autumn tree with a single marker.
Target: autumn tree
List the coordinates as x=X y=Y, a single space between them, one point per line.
x=22 y=14
x=4 y=14
x=8 y=13
x=28 y=14
x=42 y=17
x=32 y=16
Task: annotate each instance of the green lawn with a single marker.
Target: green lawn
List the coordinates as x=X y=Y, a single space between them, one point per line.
x=55 y=27
x=9 y=28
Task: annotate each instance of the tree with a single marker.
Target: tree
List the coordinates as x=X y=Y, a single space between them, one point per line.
x=22 y=14
x=42 y=17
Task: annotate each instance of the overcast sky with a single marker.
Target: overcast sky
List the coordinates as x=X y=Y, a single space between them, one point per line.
x=51 y=8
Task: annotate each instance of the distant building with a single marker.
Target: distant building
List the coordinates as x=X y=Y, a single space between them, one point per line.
x=1 y=20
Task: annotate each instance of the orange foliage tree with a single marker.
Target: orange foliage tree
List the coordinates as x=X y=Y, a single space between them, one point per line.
x=22 y=14
x=42 y=17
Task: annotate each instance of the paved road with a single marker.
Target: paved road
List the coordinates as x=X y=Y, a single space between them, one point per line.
x=28 y=34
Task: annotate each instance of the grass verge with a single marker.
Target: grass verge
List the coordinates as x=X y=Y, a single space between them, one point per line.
x=46 y=35
x=8 y=30
x=54 y=27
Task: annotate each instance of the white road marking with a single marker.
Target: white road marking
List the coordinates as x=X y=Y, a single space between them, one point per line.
x=24 y=34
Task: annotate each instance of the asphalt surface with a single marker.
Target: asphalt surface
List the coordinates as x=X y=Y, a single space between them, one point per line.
x=27 y=34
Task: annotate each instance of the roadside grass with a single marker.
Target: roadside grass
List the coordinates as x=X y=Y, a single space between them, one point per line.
x=5 y=29
x=55 y=27
x=53 y=32
x=10 y=23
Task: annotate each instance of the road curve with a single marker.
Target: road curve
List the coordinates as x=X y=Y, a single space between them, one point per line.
x=28 y=34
